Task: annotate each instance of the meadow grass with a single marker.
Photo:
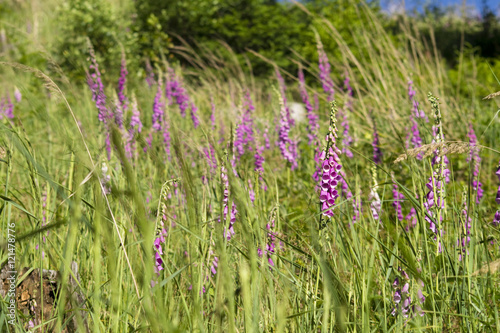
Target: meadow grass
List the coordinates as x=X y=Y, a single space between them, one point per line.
x=70 y=203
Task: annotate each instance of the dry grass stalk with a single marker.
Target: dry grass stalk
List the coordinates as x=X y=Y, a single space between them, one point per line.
x=492 y=268
x=493 y=95
x=444 y=148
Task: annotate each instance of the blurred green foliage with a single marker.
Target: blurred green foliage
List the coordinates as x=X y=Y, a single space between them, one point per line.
x=108 y=30
x=272 y=29
x=279 y=31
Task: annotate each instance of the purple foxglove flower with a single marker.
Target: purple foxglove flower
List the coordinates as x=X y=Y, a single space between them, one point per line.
x=244 y=131
x=211 y=157
x=294 y=151
x=397 y=296
x=282 y=85
x=324 y=73
x=403 y=273
x=149 y=141
x=476 y=159
x=259 y=159
x=376 y=204
x=161 y=232
x=266 y=139
x=435 y=197
x=108 y=144
x=251 y=192
x=414 y=136
x=158 y=110
x=121 y=84
x=316 y=102
x=411 y=218
x=397 y=196
x=331 y=168
x=159 y=263
x=118 y=113
x=225 y=183
x=271 y=262
x=271 y=241
x=356 y=204
x=17 y=95
x=248 y=103
x=416 y=112
x=194 y=117
x=496 y=218
x=97 y=88
x=405 y=289
x=228 y=234
x=421 y=296
x=285 y=144
x=8 y=107
x=214 y=266
x=406 y=306
x=135 y=120
x=497 y=198
x=177 y=92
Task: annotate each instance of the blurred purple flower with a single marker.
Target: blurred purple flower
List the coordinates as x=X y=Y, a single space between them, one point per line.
x=97 y=88
x=259 y=159
x=271 y=241
x=282 y=86
x=121 y=84
x=313 y=126
x=7 y=107
x=118 y=114
x=194 y=116
x=135 y=127
x=285 y=144
x=496 y=218
x=158 y=109
x=17 y=95
x=244 y=131
x=397 y=197
x=476 y=159
x=411 y=94
x=175 y=90
x=416 y=139
x=266 y=139
x=324 y=73
x=251 y=192
x=215 y=264
x=232 y=218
